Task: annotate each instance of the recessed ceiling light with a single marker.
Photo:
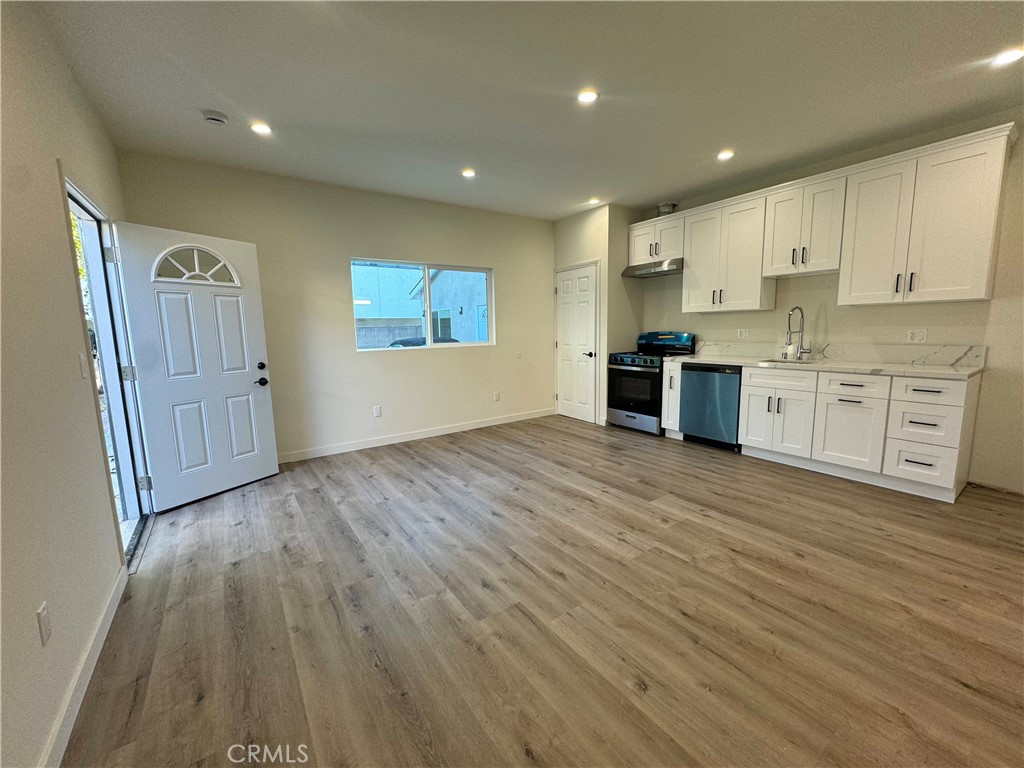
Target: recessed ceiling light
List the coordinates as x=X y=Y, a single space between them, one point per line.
x=725 y=154
x=1008 y=57
x=469 y=173
x=261 y=128
x=586 y=96
x=593 y=201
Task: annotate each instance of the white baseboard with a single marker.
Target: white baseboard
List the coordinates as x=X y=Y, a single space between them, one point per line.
x=374 y=442
x=61 y=733
x=947 y=495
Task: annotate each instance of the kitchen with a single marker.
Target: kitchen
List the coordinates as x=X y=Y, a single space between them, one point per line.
x=905 y=229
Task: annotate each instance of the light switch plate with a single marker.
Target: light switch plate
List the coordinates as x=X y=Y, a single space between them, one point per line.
x=377 y=412
x=83 y=365
x=742 y=333
x=917 y=335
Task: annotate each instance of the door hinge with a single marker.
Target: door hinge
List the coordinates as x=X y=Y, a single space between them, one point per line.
x=556 y=345
x=556 y=395
x=111 y=255
x=129 y=373
x=556 y=290
x=144 y=482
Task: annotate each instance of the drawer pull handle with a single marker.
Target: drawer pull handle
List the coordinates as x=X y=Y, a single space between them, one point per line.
x=847 y=400
x=778 y=405
x=921 y=463
x=928 y=391
x=845 y=384
x=794 y=257
x=922 y=423
x=769 y=405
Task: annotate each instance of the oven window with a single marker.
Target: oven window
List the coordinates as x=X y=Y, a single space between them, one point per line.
x=633 y=390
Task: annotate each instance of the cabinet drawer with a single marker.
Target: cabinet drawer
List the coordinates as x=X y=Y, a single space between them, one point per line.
x=856 y=384
x=932 y=464
x=942 y=391
x=781 y=378
x=926 y=423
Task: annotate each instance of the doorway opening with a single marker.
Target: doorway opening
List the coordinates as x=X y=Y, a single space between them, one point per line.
x=103 y=316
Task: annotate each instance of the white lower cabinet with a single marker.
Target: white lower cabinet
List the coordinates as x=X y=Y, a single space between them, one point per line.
x=777 y=420
x=850 y=431
x=912 y=434
x=932 y=464
x=670 y=396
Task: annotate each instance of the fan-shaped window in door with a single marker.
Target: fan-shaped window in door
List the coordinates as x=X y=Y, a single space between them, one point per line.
x=194 y=264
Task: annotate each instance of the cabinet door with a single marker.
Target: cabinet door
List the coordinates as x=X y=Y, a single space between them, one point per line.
x=670 y=396
x=876 y=234
x=952 y=237
x=757 y=417
x=668 y=239
x=740 y=281
x=821 y=228
x=782 y=233
x=850 y=431
x=794 y=422
x=641 y=245
x=701 y=251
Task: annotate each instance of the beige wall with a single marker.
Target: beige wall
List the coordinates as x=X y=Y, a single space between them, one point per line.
x=998 y=458
x=602 y=235
x=59 y=542
x=305 y=233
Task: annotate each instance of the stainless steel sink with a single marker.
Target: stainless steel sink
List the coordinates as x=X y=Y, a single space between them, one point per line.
x=787 y=361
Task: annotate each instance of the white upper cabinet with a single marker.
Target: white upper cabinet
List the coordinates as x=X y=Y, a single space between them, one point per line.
x=656 y=240
x=702 y=234
x=803 y=230
x=876 y=234
x=740 y=283
x=953 y=233
x=722 y=250
x=641 y=244
x=668 y=238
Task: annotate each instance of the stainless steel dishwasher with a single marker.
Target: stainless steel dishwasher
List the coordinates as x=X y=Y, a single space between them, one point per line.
x=709 y=403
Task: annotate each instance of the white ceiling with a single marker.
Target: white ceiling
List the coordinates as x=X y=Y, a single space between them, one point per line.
x=399 y=97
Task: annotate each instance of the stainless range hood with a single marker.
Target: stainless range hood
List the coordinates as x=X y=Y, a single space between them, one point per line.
x=655 y=268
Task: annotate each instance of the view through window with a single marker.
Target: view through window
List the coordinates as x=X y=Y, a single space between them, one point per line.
x=391 y=301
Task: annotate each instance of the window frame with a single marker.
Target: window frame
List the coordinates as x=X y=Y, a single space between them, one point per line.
x=426 y=268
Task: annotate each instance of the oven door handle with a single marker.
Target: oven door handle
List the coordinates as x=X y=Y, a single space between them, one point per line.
x=634 y=368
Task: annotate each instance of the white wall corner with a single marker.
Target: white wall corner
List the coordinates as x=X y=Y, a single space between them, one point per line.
x=60 y=734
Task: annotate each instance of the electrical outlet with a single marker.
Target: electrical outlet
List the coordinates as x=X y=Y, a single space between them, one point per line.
x=742 y=333
x=497 y=396
x=377 y=413
x=917 y=335
x=43 y=619
x=83 y=365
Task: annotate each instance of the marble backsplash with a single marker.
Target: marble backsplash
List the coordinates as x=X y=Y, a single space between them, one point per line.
x=910 y=354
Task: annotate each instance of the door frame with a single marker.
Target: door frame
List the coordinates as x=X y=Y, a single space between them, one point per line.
x=111 y=324
x=599 y=337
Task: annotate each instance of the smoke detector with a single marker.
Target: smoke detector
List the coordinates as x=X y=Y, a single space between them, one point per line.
x=213 y=117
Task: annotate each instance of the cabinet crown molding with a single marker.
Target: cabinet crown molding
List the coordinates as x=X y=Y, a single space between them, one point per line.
x=1008 y=130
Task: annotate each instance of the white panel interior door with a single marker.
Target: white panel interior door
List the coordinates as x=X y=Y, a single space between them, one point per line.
x=577 y=344
x=195 y=322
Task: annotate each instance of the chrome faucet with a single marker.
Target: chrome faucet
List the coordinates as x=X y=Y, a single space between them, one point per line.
x=801 y=350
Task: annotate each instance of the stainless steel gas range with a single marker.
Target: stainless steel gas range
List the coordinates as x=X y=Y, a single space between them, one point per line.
x=634 y=379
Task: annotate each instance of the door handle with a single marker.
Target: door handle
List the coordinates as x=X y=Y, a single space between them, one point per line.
x=650 y=250
x=778 y=405
x=261 y=365
x=898 y=276
x=720 y=299
x=589 y=354
x=671 y=380
x=793 y=262
x=910 y=284
x=713 y=297
x=803 y=255
x=262 y=381
x=657 y=248
x=769 y=404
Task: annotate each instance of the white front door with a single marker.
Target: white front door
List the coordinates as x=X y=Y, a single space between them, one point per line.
x=195 y=322
x=576 y=299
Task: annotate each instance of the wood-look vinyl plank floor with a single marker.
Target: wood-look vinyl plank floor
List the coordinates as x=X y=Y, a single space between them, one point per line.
x=552 y=593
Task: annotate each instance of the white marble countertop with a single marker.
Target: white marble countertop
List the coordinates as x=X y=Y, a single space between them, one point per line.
x=961 y=372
